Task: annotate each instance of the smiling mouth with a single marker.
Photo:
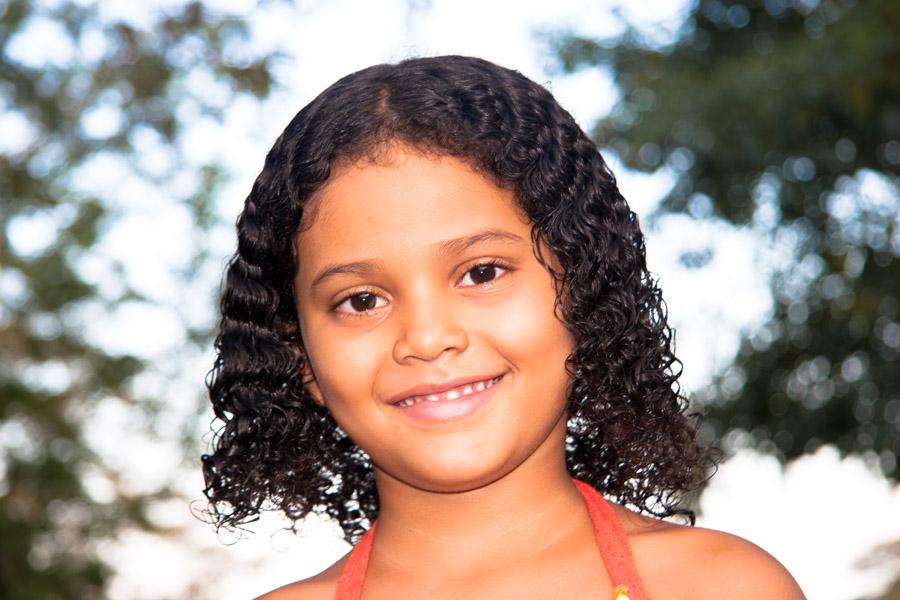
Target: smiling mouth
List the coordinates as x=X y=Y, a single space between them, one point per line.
x=452 y=394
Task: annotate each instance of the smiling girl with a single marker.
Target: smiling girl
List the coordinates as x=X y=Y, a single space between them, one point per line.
x=439 y=330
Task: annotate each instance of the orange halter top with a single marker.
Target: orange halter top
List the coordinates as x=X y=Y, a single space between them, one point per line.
x=611 y=541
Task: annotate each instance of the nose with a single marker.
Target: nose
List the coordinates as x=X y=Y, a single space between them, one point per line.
x=429 y=326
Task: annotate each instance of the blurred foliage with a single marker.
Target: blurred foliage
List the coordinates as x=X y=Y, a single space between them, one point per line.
x=893 y=593
x=885 y=555
x=784 y=115
x=58 y=498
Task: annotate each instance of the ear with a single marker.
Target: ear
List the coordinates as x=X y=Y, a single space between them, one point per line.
x=312 y=386
x=307 y=377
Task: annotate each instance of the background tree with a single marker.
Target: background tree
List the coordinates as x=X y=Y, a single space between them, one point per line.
x=81 y=91
x=784 y=115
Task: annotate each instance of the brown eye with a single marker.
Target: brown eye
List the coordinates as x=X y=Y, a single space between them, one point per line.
x=358 y=304
x=484 y=273
x=363 y=302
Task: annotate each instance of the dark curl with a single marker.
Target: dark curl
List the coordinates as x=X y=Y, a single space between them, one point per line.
x=629 y=434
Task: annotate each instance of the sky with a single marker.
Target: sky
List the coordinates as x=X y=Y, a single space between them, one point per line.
x=790 y=511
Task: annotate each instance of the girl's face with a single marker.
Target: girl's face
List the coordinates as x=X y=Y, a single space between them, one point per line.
x=418 y=271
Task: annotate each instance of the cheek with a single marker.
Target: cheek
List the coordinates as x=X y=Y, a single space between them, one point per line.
x=331 y=358
x=346 y=366
x=530 y=331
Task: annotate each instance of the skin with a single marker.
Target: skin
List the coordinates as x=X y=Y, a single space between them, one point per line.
x=482 y=506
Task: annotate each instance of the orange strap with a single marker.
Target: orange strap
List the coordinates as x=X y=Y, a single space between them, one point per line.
x=353 y=575
x=613 y=544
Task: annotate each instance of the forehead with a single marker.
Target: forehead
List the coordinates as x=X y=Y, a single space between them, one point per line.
x=400 y=205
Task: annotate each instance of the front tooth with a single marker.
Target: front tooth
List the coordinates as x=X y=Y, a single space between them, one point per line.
x=452 y=395
x=479 y=386
x=433 y=397
x=467 y=390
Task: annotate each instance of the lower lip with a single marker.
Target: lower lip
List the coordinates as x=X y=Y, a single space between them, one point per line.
x=447 y=410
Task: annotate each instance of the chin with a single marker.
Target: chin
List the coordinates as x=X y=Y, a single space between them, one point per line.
x=455 y=474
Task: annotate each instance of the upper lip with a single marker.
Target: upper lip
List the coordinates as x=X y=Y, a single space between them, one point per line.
x=436 y=388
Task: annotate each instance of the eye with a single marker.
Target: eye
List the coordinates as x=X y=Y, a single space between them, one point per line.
x=485 y=272
x=359 y=303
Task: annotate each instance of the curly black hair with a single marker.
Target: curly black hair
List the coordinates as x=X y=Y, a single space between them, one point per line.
x=629 y=433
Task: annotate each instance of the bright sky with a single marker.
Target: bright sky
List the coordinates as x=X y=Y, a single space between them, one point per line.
x=793 y=513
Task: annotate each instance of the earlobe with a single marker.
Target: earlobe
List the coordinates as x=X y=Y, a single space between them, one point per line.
x=308 y=378
x=310 y=384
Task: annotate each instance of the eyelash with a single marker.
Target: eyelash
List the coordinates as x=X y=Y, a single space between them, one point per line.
x=493 y=262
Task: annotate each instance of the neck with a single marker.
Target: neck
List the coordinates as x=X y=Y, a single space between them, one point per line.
x=514 y=517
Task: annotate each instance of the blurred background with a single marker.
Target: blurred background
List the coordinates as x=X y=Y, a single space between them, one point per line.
x=758 y=141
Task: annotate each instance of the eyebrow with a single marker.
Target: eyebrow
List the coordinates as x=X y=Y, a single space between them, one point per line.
x=450 y=247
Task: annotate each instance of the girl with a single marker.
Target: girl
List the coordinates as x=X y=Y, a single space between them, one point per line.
x=439 y=330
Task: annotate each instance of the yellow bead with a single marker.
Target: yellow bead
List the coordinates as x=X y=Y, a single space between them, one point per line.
x=620 y=592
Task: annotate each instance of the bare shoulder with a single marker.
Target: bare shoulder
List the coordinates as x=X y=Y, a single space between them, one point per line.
x=678 y=561
x=729 y=565
x=317 y=587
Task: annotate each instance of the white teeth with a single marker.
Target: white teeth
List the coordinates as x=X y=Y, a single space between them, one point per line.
x=450 y=395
